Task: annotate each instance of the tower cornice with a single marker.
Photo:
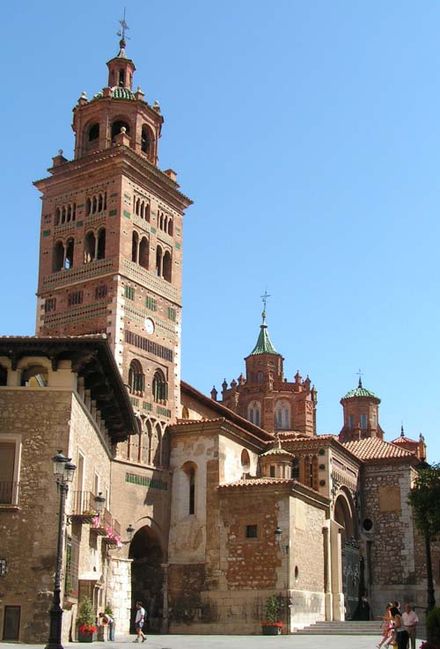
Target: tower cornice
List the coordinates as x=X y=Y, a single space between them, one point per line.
x=135 y=167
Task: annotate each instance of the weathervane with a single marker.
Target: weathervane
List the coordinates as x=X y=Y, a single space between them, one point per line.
x=264 y=298
x=124 y=28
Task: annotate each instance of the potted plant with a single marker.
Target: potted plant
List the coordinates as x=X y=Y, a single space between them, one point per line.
x=86 y=621
x=272 y=624
x=433 y=629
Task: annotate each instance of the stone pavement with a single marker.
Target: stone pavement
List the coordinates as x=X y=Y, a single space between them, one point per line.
x=228 y=642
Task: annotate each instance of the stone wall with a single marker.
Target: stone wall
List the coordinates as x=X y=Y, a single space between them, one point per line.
x=46 y=420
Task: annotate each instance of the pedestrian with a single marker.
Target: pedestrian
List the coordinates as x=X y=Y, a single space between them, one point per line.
x=401 y=633
x=139 y=622
x=410 y=621
x=387 y=625
x=107 y=620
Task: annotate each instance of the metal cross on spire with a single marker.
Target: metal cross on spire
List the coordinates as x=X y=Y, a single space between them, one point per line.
x=264 y=298
x=124 y=28
x=359 y=373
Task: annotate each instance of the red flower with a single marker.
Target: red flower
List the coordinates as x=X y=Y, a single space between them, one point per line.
x=277 y=624
x=88 y=628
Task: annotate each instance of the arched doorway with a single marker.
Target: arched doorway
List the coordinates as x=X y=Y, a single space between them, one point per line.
x=147 y=576
x=344 y=514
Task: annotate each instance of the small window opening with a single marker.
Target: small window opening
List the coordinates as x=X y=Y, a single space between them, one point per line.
x=134 y=247
x=68 y=262
x=121 y=77
x=144 y=249
x=251 y=531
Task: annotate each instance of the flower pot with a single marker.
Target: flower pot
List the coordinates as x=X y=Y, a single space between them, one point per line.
x=85 y=636
x=271 y=629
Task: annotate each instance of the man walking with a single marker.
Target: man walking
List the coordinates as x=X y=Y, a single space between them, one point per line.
x=139 y=622
x=410 y=620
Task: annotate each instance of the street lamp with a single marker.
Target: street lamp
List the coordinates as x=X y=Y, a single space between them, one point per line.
x=64 y=471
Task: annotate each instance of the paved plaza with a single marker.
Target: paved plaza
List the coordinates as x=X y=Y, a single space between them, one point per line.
x=231 y=642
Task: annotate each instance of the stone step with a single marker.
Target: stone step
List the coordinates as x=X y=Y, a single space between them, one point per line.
x=342 y=628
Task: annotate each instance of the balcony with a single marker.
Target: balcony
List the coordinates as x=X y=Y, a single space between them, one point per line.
x=101 y=523
x=83 y=507
x=9 y=494
x=113 y=534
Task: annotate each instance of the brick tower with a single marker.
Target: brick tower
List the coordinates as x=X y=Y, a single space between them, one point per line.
x=265 y=397
x=361 y=415
x=111 y=243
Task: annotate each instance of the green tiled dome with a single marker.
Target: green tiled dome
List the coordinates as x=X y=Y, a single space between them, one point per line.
x=118 y=93
x=360 y=391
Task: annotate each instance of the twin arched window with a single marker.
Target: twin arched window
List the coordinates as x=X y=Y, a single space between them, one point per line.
x=140 y=251
x=163 y=264
x=63 y=255
x=94 y=246
x=282 y=415
x=254 y=412
x=96 y=204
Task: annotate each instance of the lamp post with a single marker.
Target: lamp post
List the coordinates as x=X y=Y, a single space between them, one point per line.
x=63 y=471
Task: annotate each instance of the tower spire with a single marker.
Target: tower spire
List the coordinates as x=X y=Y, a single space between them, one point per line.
x=122 y=35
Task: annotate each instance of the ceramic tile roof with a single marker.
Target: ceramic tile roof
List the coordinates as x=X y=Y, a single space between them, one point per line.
x=264 y=343
x=402 y=439
x=257 y=482
x=360 y=391
x=374 y=448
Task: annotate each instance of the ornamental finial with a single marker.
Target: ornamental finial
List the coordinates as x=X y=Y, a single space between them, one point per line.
x=264 y=298
x=121 y=32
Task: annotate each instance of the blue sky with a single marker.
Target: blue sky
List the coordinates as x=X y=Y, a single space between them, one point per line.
x=308 y=136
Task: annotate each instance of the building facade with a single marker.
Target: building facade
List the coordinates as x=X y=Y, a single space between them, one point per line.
x=231 y=501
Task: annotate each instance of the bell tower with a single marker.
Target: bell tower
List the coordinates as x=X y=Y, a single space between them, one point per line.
x=111 y=246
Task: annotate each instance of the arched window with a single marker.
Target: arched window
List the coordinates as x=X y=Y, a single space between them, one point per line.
x=167 y=266
x=160 y=387
x=136 y=379
x=147 y=141
x=121 y=75
x=101 y=244
x=158 y=261
x=147 y=212
x=57 y=216
x=68 y=262
x=89 y=247
x=260 y=377
x=88 y=206
x=189 y=469
x=35 y=376
x=93 y=132
x=134 y=246
x=58 y=257
x=144 y=250
x=282 y=415
x=116 y=128
x=254 y=412
x=245 y=461
x=170 y=227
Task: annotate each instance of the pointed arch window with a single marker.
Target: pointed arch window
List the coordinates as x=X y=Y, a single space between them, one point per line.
x=254 y=412
x=160 y=387
x=68 y=261
x=282 y=415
